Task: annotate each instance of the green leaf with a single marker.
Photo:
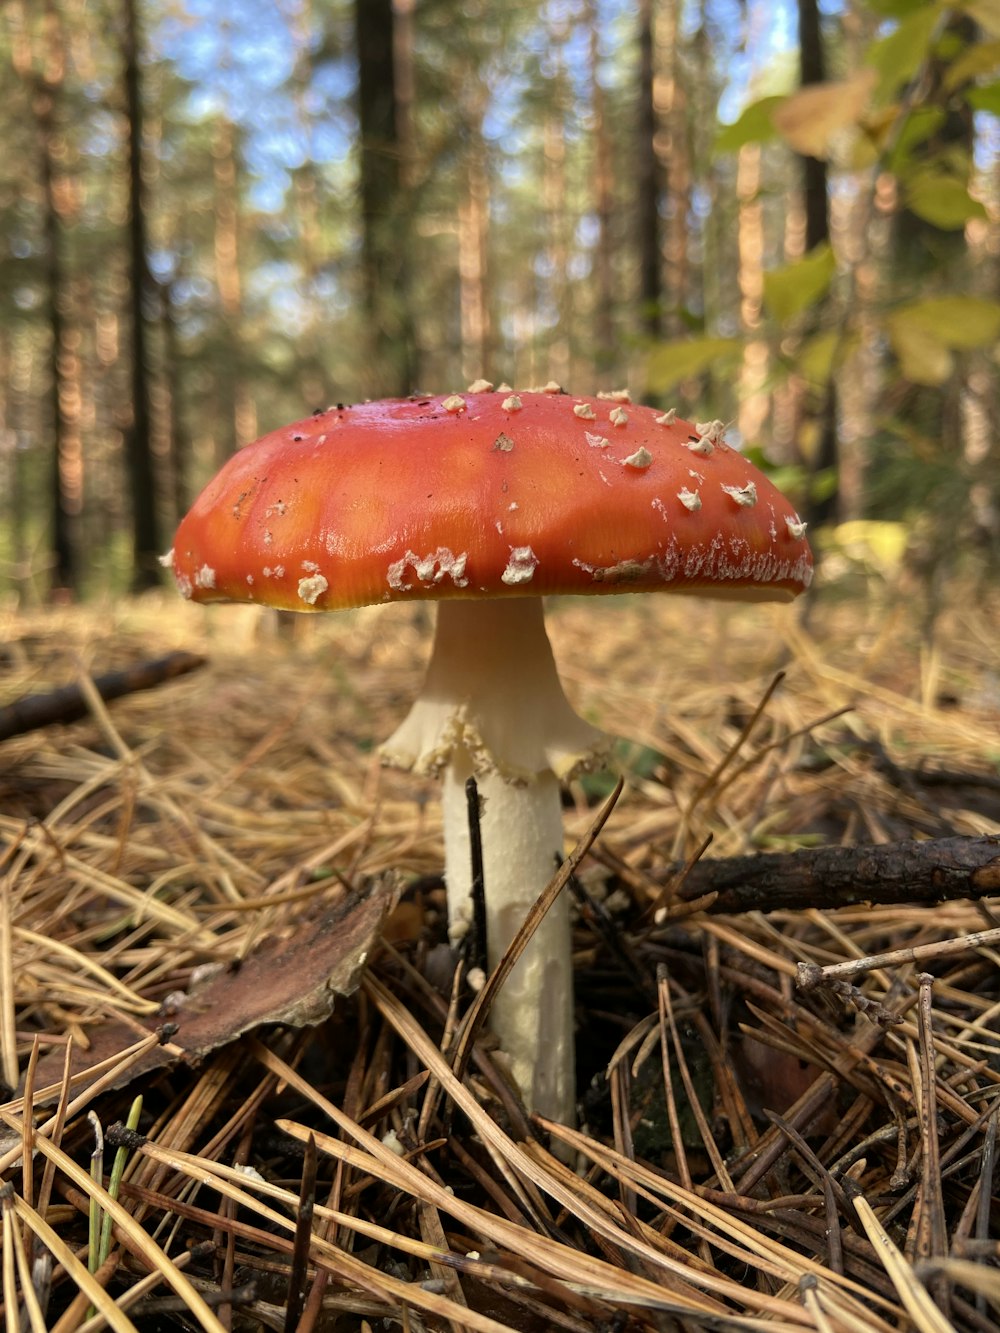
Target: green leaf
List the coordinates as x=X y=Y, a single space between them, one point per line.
x=670 y=363
x=754 y=125
x=917 y=128
x=896 y=9
x=898 y=56
x=960 y=322
x=823 y=484
x=791 y=289
x=790 y=478
x=821 y=354
x=985 y=98
x=925 y=333
x=923 y=358
x=942 y=200
x=976 y=60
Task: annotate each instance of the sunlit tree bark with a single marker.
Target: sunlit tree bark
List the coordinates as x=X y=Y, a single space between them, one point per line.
x=240 y=421
x=473 y=232
x=753 y=398
x=605 y=349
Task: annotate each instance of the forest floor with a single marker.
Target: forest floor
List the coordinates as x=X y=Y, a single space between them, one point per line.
x=224 y=854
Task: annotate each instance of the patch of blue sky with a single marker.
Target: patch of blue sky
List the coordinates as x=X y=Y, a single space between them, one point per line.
x=766 y=35
x=239 y=56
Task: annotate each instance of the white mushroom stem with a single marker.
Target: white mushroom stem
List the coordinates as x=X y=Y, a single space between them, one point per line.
x=492 y=706
x=532 y=1015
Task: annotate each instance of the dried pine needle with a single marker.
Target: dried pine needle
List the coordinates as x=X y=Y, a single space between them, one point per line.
x=172 y=832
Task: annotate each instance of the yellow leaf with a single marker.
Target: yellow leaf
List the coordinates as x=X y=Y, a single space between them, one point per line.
x=871 y=542
x=960 y=322
x=984 y=12
x=811 y=119
x=671 y=362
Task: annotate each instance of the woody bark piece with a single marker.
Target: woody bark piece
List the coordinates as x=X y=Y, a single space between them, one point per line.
x=294 y=980
x=936 y=870
x=67 y=704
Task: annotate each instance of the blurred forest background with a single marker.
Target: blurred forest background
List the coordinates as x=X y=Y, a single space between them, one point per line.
x=218 y=215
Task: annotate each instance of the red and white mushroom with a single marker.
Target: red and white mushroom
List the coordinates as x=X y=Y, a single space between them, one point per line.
x=485 y=502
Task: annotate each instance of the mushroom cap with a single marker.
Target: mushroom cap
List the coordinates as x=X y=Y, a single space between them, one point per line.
x=488 y=494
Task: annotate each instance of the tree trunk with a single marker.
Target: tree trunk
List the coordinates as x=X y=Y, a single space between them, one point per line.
x=605 y=349
x=922 y=256
x=315 y=374
x=405 y=80
x=66 y=473
x=710 y=281
x=823 y=506
x=146 y=542
x=473 y=226
x=753 y=397
x=241 y=417
x=179 y=440
x=384 y=219
x=677 y=153
x=649 y=184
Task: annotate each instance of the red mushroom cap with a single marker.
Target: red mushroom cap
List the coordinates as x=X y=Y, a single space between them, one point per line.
x=488 y=494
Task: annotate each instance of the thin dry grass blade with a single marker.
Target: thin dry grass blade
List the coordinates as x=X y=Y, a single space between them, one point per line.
x=980 y=1278
x=388 y=1288
x=8 y=1024
x=77 y=1271
x=706 y=1219
x=913 y=1294
x=151 y=1252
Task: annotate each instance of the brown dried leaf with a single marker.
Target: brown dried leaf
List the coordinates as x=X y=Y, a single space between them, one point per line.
x=810 y=120
x=293 y=980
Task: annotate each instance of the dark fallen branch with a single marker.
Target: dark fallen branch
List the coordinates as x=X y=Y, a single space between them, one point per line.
x=936 y=870
x=68 y=704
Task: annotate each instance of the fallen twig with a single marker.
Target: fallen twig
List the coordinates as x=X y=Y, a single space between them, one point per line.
x=810 y=976
x=931 y=871
x=69 y=703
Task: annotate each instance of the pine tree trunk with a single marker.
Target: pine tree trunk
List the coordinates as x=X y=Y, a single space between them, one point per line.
x=605 y=350
x=649 y=184
x=556 y=354
x=473 y=225
x=823 y=505
x=179 y=441
x=678 y=154
x=315 y=373
x=753 y=398
x=240 y=415
x=921 y=253
x=146 y=542
x=384 y=220
x=66 y=471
